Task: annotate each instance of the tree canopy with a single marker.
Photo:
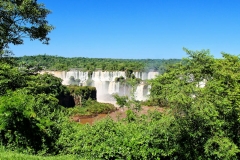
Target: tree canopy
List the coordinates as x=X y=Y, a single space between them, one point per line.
x=22 y=19
x=49 y=62
x=203 y=94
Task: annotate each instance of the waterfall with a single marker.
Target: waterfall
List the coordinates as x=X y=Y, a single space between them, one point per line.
x=104 y=81
x=113 y=87
x=152 y=75
x=141 y=75
x=139 y=92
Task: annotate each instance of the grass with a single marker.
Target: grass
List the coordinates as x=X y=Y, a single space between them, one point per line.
x=11 y=155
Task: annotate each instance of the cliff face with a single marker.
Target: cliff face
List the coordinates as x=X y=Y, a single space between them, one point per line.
x=104 y=81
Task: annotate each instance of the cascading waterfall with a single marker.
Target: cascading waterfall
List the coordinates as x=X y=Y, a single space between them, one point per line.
x=152 y=75
x=104 y=81
x=113 y=87
x=139 y=92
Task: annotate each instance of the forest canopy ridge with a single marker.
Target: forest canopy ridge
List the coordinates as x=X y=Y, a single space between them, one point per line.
x=50 y=62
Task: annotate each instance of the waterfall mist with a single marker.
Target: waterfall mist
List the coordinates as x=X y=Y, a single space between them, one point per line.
x=105 y=83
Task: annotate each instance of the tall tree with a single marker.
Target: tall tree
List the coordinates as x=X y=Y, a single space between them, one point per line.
x=22 y=19
x=204 y=95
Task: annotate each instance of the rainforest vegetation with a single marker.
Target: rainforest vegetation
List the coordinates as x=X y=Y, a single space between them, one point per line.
x=201 y=119
x=200 y=96
x=49 y=62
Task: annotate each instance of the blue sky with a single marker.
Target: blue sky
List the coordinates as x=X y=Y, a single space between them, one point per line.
x=137 y=29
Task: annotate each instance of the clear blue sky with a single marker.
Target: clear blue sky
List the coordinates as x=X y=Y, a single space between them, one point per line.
x=138 y=28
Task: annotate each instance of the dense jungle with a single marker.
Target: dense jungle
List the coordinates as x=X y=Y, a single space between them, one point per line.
x=194 y=102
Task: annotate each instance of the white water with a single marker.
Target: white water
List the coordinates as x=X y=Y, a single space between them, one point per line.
x=139 y=93
x=104 y=81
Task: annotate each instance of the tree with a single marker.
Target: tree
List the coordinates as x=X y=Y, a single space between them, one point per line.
x=22 y=19
x=121 y=100
x=11 y=78
x=203 y=94
x=29 y=122
x=47 y=84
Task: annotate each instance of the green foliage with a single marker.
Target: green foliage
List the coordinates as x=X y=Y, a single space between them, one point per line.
x=46 y=83
x=82 y=93
x=129 y=101
x=10 y=155
x=29 y=110
x=134 y=105
x=202 y=119
x=121 y=100
x=221 y=148
x=150 y=102
x=146 y=138
x=92 y=64
x=120 y=79
x=97 y=107
x=20 y=19
x=204 y=95
x=10 y=78
x=129 y=73
x=131 y=116
x=92 y=107
x=29 y=123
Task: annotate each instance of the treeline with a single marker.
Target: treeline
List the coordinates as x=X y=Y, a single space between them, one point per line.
x=49 y=62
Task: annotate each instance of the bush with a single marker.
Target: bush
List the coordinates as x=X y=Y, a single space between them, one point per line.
x=146 y=138
x=92 y=107
x=29 y=123
x=82 y=93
